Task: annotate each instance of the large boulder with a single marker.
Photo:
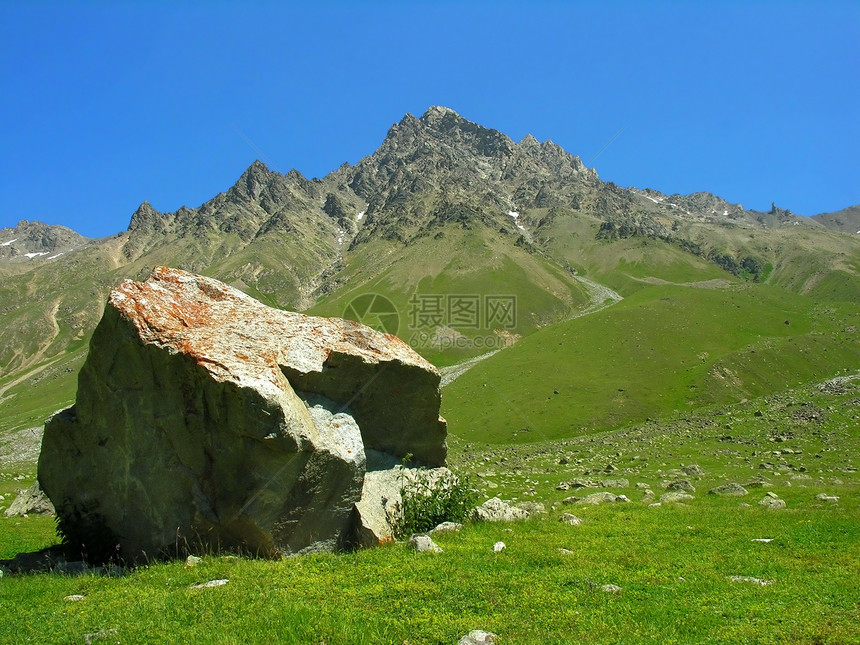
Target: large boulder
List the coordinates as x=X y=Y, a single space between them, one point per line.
x=204 y=418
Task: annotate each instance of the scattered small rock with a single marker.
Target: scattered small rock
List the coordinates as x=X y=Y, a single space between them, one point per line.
x=616 y=483
x=447 y=527
x=76 y=597
x=498 y=547
x=192 y=561
x=581 y=483
x=571 y=519
x=565 y=551
x=32 y=500
x=824 y=497
x=772 y=500
x=102 y=634
x=729 y=490
x=495 y=510
x=601 y=498
x=693 y=470
x=755 y=581
x=611 y=588
x=532 y=508
x=675 y=498
x=212 y=583
x=423 y=544
x=478 y=637
x=765 y=540
x=682 y=485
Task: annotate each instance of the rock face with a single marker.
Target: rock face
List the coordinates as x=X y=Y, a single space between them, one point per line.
x=203 y=416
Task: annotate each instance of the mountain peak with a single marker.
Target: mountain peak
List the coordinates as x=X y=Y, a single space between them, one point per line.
x=251 y=183
x=529 y=141
x=438 y=112
x=145 y=218
x=257 y=169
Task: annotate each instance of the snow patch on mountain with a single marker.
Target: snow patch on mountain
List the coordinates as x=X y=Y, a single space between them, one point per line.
x=516 y=215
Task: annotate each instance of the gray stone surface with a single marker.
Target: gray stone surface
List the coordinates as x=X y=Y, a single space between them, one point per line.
x=682 y=485
x=675 y=498
x=204 y=416
x=380 y=499
x=477 y=637
x=824 y=497
x=447 y=527
x=424 y=544
x=569 y=518
x=31 y=501
x=729 y=490
x=601 y=498
x=772 y=500
x=495 y=510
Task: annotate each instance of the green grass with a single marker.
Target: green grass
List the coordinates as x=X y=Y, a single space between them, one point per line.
x=29 y=403
x=663 y=348
x=673 y=563
x=673 y=566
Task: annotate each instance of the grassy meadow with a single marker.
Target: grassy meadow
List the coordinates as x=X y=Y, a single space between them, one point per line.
x=673 y=564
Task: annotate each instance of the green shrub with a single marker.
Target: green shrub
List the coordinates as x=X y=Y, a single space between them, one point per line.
x=429 y=498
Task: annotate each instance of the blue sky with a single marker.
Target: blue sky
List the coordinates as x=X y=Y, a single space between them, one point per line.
x=105 y=105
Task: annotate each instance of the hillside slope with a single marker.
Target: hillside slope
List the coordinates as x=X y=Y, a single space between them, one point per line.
x=464 y=241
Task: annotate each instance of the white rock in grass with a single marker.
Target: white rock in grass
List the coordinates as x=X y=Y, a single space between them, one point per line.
x=498 y=547
x=212 y=583
x=495 y=510
x=824 y=497
x=477 y=637
x=423 y=544
x=571 y=519
x=755 y=581
x=447 y=527
x=32 y=500
x=611 y=589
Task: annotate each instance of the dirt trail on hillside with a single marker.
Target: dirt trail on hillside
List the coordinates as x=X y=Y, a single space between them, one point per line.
x=599 y=296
